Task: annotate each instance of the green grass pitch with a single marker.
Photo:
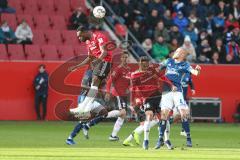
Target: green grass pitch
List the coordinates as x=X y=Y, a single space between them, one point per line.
x=46 y=141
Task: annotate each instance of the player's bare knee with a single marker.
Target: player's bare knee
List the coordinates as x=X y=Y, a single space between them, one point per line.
x=123 y=113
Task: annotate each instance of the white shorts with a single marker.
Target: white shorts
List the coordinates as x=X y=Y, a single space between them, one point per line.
x=173 y=99
x=89 y=107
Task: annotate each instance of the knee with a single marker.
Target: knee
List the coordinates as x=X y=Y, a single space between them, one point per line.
x=123 y=113
x=164 y=115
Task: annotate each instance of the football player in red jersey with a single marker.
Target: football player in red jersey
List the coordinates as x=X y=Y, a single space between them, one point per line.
x=100 y=59
x=118 y=85
x=145 y=89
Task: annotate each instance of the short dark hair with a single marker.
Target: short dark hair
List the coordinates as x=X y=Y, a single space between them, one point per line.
x=125 y=52
x=144 y=59
x=82 y=28
x=42 y=65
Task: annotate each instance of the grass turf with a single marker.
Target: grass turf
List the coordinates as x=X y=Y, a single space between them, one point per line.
x=46 y=140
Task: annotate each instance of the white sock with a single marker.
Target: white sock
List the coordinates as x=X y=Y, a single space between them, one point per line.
x=139 y=130
x=113 y=114
x=117 y=126
x=146 y=130
x=89 y=98
x=129 y=138
x=167 y=131
x=154 y=123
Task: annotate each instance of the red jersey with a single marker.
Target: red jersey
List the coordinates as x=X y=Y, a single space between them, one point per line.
x=119 y=80
x=145 y=84
x=93 y=45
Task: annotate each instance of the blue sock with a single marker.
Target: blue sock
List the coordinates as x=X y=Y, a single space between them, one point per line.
x=95 y=121
x=185 y=125
x=76 y=130
x=162 y=128
x=182 y=127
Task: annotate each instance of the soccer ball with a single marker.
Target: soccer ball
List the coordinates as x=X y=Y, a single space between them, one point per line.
x=99 y=12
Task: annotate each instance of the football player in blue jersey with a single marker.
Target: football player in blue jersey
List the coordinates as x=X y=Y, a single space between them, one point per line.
x=176 y=67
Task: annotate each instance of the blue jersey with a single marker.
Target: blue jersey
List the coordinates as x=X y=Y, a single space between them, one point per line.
x=175 y=71
x=186 y=80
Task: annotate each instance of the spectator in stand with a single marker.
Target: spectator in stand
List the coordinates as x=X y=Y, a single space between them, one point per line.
x=231 y=21
x=78 y=18
x=208 y=23
x=137 y=31
x=205 y=49
x=151 y=22
x=159 y=6
x=177 y=6
x=210 y=7
x=235 y=9
x=7 y=34
x=190 y=31
x=215 y=58
x=115 y=7
x=220 y=50
x=203 y=35
x=41 y=91
x=167 y=19
x=187 y=44
x=195 y=20
x=174 y=33
x=181 y=21
x=174 y=44
x=140 y=9
x=147 y=45
x=160 y=49
x=4 y=8
x=229 y=59
x=197 y=7
x=222 y=8
x=236 y=35
x=233 y=50
x=24 y=33
x=218 y=23
x=160 y=30
x=126 y=11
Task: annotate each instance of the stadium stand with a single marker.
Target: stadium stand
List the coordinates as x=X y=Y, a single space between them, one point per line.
x=3 y=52
x=49 y=52
x=10 y=18
x=16 y=52
x=33 y=52
x=28 y=18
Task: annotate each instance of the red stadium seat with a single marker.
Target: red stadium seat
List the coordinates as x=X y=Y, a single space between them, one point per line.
x=17 y=5
x=39 y=37
x=120 y=30
x=33 y=52
x=78 y=3
x=53 y=37
x=46 y=7
x=42 y=22
x=80 y=50
x=11 y=19
x=58 y=23
x=70 y=37
x=49 y=52
x=65 y=52
x=30 y=7
x=16 y=52
x=62 y=7
x=3 y=52
x=27 y=18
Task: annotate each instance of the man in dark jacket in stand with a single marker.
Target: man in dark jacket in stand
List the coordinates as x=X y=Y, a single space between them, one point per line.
x=41 y=91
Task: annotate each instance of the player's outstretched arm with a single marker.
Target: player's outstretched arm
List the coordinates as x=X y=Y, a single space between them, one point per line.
x=84 y=62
